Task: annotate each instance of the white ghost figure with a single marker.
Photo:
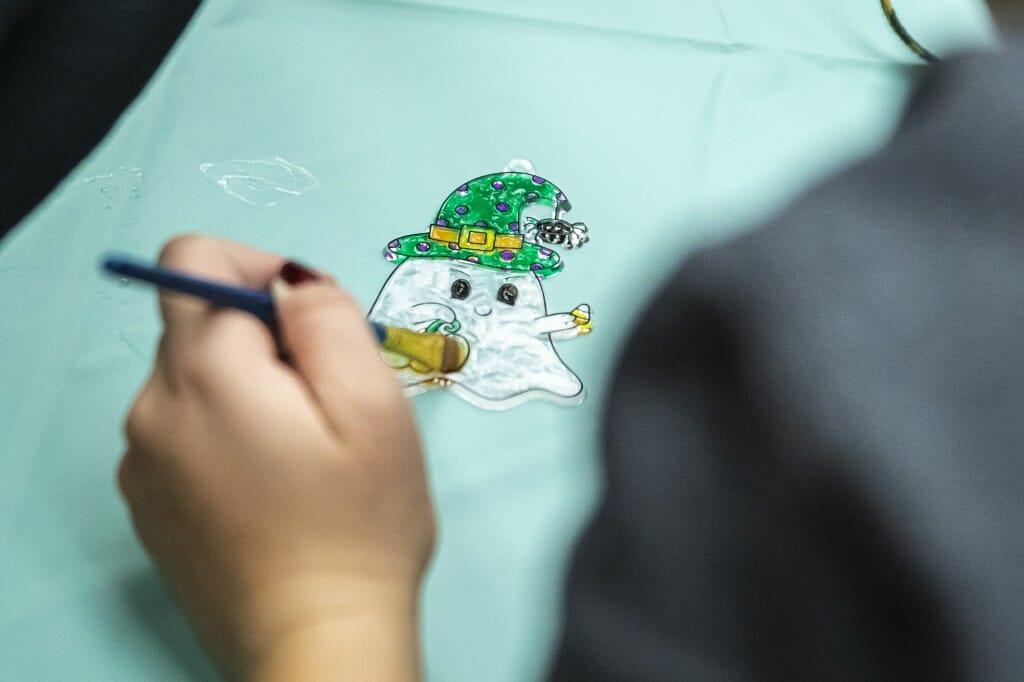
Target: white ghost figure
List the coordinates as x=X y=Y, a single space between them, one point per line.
x=503 y=318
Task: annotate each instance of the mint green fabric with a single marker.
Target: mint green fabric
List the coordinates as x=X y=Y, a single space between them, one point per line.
x=668 y=123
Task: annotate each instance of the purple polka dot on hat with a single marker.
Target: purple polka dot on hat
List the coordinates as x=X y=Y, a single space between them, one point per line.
x=461 y=210
x=423 y=246
x=513 y=227
x=560 y=196
x=393 y=244
x=498 y=184
x=463 y=188
x=507 y=255
x=453 y=247
x=535 y=266
x=502 y=207
x=473 y=259
x=538 y=179
x=481 y=223
x=544 y=252
x=441 y=222
x=530 y=196
x=389 y=256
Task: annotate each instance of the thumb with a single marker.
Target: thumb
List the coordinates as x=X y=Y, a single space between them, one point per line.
x=332 y=347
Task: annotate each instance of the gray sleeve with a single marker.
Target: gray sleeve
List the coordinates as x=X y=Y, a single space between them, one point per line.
x=814 y=462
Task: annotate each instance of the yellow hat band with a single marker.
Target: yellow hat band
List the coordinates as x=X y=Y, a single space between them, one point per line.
x=475 y=238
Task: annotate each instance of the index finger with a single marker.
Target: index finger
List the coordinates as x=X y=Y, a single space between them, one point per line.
x=223 y=261
x=216 y=259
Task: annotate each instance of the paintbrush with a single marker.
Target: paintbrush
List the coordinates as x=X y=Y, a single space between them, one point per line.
x=437 y=352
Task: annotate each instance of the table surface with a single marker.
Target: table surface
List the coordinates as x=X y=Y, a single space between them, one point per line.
x=669 y=124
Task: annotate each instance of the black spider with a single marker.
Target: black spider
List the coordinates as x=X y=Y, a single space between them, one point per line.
x=559 y=232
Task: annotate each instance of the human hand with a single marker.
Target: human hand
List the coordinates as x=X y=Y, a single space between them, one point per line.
x=285 y=503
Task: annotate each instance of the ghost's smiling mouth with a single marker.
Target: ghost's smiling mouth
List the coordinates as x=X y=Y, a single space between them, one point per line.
x=482 y=310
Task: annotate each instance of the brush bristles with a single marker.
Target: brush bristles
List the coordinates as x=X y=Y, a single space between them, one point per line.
x=454 y=354
x=439 y=353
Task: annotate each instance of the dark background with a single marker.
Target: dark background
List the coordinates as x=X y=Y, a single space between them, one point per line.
x=68 y=68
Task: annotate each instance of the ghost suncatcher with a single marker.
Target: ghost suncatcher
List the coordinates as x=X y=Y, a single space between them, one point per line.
x=477 y=275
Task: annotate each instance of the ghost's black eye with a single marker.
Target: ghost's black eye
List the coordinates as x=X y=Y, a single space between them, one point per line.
x=507 y=294
x=460 y=288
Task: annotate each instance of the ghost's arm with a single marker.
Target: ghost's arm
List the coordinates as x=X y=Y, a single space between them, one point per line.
x=564 y=326
x=418 y=317
x=552 y=324
x=423 y=314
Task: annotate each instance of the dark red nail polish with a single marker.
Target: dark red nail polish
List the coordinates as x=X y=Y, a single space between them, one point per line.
x=293 y=273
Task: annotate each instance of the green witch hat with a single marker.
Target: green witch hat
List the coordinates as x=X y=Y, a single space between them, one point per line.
x=480 y=223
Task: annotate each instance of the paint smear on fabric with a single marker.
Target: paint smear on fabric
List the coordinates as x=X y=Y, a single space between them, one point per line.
x=120 y=183
x=261 y=183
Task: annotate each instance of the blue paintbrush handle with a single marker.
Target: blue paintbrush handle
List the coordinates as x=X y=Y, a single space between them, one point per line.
x=254 y=301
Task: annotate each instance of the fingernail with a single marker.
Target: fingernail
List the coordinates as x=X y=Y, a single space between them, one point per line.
x=294 y=273
x=279 y=289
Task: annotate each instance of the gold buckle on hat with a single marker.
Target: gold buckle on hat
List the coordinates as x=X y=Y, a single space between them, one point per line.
x=477 y=238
